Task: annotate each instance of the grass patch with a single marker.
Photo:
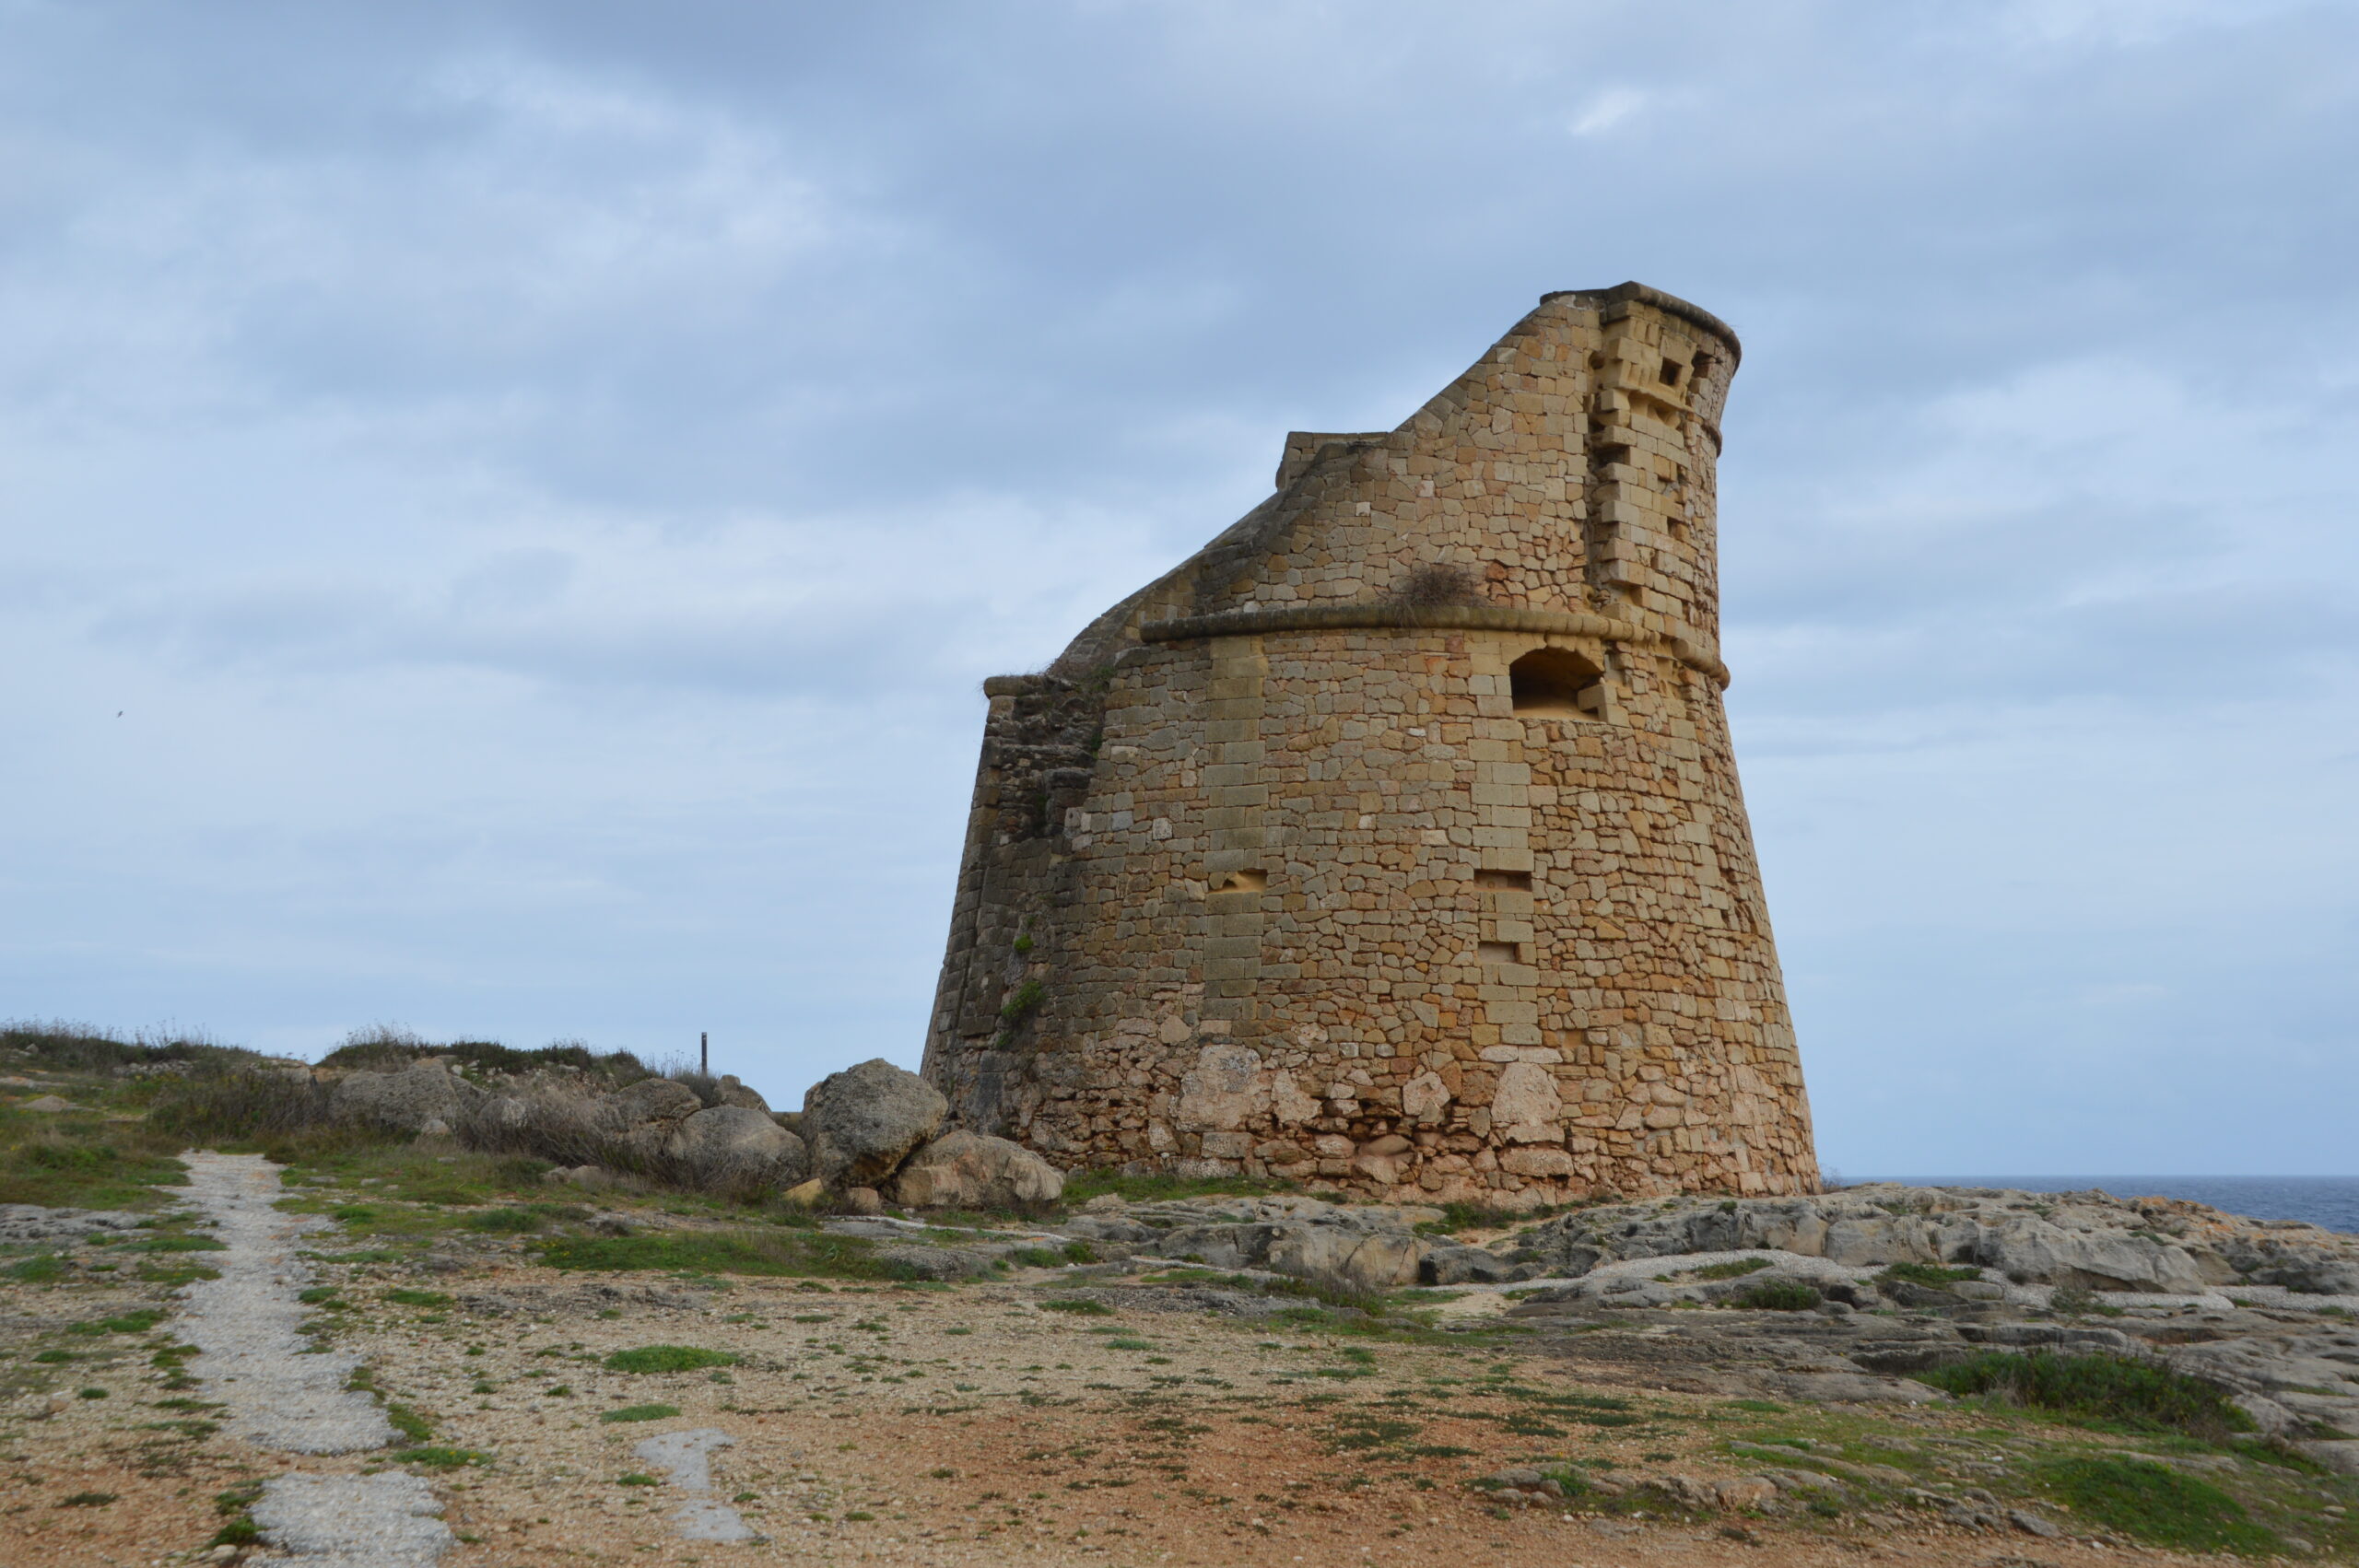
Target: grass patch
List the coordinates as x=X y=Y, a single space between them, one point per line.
x=407 y=1297
x=1931 y=1275
x=137 y=1322
x=66 y=1161
x=1456 y=1217
x=668 y=1358
x=2156 y=1504
x=641 y=1412
x=40 y=1270
x=87 y=1500
x=1777 y=1295
x=435 y=1458
x=770 y=1251
x=1078 y=1307
x=179 y=1244
x=1733 y=1270
x=2104 y=1390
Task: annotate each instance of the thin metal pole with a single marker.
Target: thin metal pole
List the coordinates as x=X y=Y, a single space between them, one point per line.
x=704 y=1053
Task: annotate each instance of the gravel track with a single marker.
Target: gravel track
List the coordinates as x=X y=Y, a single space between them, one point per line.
x=282 y=1396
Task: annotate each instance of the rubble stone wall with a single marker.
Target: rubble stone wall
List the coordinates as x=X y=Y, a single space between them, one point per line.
x=1287 y=866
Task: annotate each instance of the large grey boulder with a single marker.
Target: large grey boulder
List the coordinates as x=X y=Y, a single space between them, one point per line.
x=641 y=1123
x=1353 y=1249
x=650 y=1099
x=2032 y=1249
x=420 y=1095
x=969 y=1170
x=735 y=1148
x=860 y=1124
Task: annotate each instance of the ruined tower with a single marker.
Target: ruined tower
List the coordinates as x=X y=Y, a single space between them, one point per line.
x=1392 y=842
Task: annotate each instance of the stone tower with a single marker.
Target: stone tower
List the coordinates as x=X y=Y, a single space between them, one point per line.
x=1392 y=842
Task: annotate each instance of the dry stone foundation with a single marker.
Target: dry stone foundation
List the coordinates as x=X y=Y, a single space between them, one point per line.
x=1393 y=841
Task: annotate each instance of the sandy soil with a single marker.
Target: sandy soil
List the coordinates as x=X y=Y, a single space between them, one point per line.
x=919 y=1425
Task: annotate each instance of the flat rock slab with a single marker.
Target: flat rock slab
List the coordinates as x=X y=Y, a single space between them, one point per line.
x=31 y=1222
x=381 y=1521
x=686 y=1457
x=1855 y=1389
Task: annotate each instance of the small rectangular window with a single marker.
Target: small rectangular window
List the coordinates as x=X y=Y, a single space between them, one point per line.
x=1519 y=881
x=1242 y=882
x=1499 y=953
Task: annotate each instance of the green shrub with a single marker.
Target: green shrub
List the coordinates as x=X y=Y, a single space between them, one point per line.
x=2140 y=1396
x=1777 y=1295
x=87 y=1500
x=239 y=1104
x=179 y=1244
x=1034 y=1258
x=66 y=1046
x=240 y=1531
x=2156 y=1504
x=1022 y=1002
x=636 y=1478
x=641 y=1412
x=668 y=1358
x=1079 y=1307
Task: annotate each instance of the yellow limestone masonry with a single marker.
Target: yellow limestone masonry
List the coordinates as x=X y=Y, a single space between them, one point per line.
x=1393 y=842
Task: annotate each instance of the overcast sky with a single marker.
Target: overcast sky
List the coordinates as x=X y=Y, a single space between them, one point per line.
x=504 y=507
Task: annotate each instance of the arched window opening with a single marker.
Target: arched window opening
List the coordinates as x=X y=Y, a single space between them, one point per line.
x=1557 y=681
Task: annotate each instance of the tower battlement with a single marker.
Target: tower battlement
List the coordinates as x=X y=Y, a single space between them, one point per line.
x=1393 y=840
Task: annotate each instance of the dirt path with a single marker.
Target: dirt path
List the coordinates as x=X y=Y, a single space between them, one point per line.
x=281 y=1393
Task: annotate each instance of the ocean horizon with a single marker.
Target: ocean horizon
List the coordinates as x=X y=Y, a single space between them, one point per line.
x=2329 y=1202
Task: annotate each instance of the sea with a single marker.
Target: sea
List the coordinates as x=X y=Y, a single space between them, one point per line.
x=2329 y=1202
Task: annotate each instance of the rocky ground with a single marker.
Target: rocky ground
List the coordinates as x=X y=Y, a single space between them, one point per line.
x=1185 y=1380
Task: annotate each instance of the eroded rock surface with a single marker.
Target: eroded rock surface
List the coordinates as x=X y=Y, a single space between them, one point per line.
x=862 y=1122
x=968 y=1170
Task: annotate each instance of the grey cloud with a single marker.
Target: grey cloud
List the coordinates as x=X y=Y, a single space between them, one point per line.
x=645 y=424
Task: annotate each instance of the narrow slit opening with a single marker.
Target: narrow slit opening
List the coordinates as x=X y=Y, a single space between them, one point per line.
x=1242 y=882
x=1519 y=882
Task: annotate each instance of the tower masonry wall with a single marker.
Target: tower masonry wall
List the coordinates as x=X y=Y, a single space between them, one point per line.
x=1393 y=842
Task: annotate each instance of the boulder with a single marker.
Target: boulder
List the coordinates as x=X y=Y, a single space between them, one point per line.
x=735 y=1148
x=1452 y=1263
x=649 y=1099
x=860 y=1124
x=968 y=1170
x=405 y=1101
x=733 y=1093
x=1346 y=1248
